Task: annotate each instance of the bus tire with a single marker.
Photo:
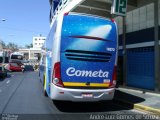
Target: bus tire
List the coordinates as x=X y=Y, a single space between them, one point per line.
x=44 y=91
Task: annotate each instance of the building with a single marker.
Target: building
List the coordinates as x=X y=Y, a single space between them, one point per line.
x=138 y=36
x=33 y=54
x=38 y=41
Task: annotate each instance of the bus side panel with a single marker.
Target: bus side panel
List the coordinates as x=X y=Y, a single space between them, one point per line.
x=48 y=74
x=49 y=57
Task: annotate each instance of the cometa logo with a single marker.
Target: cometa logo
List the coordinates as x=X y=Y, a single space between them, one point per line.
x=71 y=71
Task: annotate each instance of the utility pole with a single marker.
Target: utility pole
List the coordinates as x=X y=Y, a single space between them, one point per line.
x=156 y=48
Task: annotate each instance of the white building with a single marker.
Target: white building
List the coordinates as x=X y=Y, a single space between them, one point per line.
x=38 y=41
x=33 y=54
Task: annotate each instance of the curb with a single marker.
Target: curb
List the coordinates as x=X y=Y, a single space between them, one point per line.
x=146 y=108
x=138 y=91
x=141 y=107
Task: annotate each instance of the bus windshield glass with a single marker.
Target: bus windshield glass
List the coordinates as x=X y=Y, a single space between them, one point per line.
x=76 y=26
x=19 y=57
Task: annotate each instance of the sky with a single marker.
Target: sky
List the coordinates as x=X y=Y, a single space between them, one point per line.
x=25 y=19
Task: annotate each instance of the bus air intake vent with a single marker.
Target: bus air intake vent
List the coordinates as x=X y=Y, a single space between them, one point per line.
x=91 y=56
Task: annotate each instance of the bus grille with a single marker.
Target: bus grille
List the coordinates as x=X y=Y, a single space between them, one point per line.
x=91 y=56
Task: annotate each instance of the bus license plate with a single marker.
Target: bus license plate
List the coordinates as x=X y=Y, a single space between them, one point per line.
x=87 y=95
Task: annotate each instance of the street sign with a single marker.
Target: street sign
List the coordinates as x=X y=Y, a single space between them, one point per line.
x=119 y=7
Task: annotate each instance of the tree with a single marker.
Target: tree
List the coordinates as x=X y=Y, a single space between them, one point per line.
x=12 y=46
x=3 y=44
x=29 y=46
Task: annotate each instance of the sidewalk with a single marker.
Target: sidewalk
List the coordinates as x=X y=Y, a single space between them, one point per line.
x=138 y=100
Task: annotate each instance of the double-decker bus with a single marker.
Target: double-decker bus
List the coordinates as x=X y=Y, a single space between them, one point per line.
x=79 y=58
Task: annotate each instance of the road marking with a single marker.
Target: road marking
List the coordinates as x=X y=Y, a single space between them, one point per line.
x=8 y=82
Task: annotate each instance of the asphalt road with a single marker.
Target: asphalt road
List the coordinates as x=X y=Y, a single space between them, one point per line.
x=21 y=95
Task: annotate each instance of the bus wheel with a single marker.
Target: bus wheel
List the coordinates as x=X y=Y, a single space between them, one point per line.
x=44 y=91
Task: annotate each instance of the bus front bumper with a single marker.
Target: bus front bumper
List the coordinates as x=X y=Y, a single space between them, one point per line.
x=67 y=94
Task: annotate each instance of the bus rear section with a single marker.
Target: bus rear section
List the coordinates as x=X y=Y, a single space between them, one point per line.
x=88 y=55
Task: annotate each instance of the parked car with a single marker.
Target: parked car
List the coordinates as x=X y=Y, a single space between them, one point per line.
x=15 y=67
x=3 y=71
x=25 y=61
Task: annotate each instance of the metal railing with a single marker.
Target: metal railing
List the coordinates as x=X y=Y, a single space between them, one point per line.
x=62 y=4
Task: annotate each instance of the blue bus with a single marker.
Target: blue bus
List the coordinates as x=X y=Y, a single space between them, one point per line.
x=79 y=58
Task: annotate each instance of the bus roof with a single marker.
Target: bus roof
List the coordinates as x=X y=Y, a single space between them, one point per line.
x=17 y=53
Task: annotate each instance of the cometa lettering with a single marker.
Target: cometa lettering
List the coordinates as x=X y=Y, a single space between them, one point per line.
x=71 y=71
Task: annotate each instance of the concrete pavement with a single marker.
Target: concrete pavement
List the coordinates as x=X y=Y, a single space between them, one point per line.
x=139 y=100
x=23 y=97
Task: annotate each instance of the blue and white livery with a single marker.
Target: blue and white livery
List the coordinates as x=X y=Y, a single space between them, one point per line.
x=79 y=58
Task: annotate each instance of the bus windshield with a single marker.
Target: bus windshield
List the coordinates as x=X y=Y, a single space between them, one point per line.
x=19 y=57
x=88 y=27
